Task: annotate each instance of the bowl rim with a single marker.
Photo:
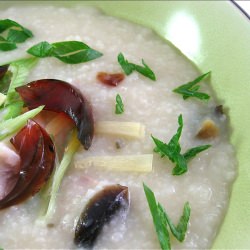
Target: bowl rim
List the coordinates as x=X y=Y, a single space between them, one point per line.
x=232 y=69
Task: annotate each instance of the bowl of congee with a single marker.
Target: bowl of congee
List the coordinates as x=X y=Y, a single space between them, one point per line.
x=123 y=125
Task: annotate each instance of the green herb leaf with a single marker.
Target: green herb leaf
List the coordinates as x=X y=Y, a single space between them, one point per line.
x=71 y=52
x=128 y=67
x=6 y=45
x=146 y=71
x=119 y=107
x=5 y=82
x=16 y=34
x=10 y=126
x=159 y=223
x=190 y=89
x=162 y=221
x=173 y=150
x=181 y=165
x=49 y=193
x=180 y=230
x=20 y=70
x=74 y=52
x=42 y=49
x=192 y=152
x=5 y=24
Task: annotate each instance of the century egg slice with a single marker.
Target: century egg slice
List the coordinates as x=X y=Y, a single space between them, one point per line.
x=60 y=96
x=99 y=210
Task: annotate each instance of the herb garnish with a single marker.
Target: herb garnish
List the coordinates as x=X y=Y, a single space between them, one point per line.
x=173 y=150
x=6 y=45
x=71 y=52
x=17 y=73
x=16 y=34
x=10 y=126
x=128 y=67
x=5 y=78
x=50 y=191
x=162 y=221
x=190 y=89
x=119 y=106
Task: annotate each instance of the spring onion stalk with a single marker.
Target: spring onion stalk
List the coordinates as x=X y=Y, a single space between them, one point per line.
x=20 y=70
x=2 y=98
x=49 y=195
x=134 y=130
x=128 y=163
x=10 y=126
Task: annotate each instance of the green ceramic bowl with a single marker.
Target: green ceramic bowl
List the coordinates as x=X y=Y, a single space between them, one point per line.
x=215 y=35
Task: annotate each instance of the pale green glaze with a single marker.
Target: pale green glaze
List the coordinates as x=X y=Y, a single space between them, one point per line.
x=223 y=37
x=221 y=43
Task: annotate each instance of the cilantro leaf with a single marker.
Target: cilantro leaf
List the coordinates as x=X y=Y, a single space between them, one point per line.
x=42 y=49
x=181 y=165
x=162 y=221
x=160 y=226
x=74 y=52
x=174 y=145
x=146 y=71
x=128 y=67
x=71 y=52
x=192 y=152
x=190 y=89
x=119 y=107
x=16 y=34
x=5 y=24
x=6 y=45
x=173 y=150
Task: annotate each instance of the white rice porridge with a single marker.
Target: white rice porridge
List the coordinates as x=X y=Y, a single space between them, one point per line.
x=206 y=185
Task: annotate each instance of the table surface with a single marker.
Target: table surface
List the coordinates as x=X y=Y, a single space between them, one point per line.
x=244 y=5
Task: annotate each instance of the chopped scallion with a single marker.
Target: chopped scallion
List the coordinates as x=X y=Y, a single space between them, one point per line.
x=128 y=67
x=162 y=221
x=10 y=126
x=190 y=89
x=173 y=150
x=119 y=106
